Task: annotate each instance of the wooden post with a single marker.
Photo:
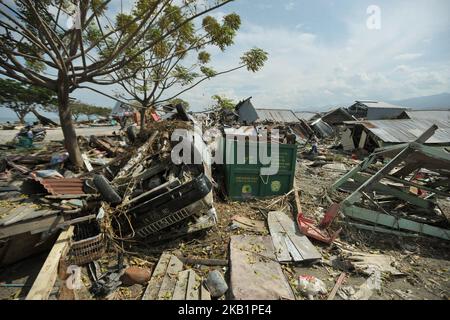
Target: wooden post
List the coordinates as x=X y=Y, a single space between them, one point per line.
x=46 y=278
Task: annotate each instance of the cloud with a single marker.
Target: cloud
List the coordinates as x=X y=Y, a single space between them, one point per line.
x=408 y=56
x=289 y=6
x=306 y=69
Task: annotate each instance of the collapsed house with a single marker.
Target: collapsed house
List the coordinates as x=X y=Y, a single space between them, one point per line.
x=375 y=110
x=408 y=194
x=370 y=135
x=337 y=117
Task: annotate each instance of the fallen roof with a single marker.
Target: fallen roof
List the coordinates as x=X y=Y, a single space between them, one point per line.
x=380 y=104
x=72 y=186
x=407 y=130
x=439 y=115
x=276 y=115
x=305 y=115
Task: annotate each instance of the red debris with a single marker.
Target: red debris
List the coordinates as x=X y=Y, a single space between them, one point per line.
x=71 y=186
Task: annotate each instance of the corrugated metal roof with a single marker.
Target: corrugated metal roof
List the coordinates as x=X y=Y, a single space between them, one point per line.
x=72 y=186
x=380 y=104
x=439 y=115
x=402 y=131
x=305 y=115
x=276 y=115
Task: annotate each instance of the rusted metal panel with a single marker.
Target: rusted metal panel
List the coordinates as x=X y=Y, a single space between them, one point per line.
x=73 y=186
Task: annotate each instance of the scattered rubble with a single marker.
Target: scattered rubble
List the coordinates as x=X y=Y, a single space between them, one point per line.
x=133 y=224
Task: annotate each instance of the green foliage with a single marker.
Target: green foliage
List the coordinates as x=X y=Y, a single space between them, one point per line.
x=208 y=72
x=80 y=108
x=22 y=98
x=204 y=57
x=254 y=59
x=183 y=75
x=125 y=23
x=221 y=102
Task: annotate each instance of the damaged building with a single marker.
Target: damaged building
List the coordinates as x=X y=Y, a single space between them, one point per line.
x=370 y=135
x=375 y=110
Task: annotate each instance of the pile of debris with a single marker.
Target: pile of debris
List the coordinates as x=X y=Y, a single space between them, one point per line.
x=137 y=224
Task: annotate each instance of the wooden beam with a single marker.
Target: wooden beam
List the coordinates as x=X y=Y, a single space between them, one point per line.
x=338 y=284
x=394 y=222
x=86 y=161
x=403 y=195
x=297 y=197
x=46 y=278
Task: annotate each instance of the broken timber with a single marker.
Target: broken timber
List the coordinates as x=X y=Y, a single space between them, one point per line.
x=290 y=245
x=169 y=282
x=406 y=153
x=46 y=278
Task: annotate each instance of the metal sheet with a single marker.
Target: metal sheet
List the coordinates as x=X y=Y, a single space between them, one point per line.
x=72 y=186
x=276 y=115
x=403 y=131
x=305 y=115
x=439 y=115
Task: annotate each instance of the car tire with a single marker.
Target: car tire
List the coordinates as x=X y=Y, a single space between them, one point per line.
x=106 y=190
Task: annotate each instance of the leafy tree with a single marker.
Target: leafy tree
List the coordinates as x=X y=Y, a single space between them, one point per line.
x=223 y=103
x=102 y=112
x=181 y=61
x=80 y=108
x=22 y=98
x=39 y=47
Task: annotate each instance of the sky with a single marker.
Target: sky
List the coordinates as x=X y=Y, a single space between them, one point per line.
x=324 y=53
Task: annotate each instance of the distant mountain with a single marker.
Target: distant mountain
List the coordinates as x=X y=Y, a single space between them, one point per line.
x=437 y=101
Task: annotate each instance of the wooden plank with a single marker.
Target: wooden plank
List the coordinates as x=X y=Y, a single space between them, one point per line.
x=189 y=287
x=180 y=290
x=46 y=278
x=17 y=214
x=170 y=279
x=297 y=197
x=293 y=251
x=151 y=292
x=255 y=272
x=336 y=287
x=300 y=241
x=86 y=161
x=204 y=262
x=290 y=244
x=44 y=223
x=193 y=286
x=394 y=222
x=278 y=239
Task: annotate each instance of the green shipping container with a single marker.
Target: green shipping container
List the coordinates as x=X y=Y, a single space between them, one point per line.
x=244 y=181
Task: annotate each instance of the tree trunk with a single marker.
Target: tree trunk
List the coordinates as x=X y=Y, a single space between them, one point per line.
x=21 y=117
x=65 y=117
x=142 y=111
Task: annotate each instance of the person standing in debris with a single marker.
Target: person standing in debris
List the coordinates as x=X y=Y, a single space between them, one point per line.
x=314 y=143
